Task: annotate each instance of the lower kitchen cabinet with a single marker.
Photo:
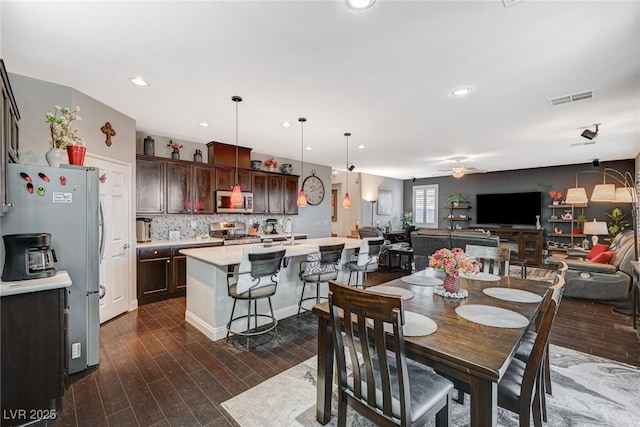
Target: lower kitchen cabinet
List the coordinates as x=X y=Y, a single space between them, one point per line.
x=33 y=356
x=162 y=273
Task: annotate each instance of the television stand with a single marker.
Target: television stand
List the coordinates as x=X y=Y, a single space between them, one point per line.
x=526 y=244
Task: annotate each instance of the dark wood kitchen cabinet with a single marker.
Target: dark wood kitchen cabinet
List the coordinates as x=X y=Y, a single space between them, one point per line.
x=189 y=188
x=226 y=178
x=290 y=193
x=33 y=356
x=275 y=193
x=162 y=272
x=150 y=179
x=154 y=274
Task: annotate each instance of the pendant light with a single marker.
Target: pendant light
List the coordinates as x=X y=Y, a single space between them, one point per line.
x=302 y=198
x=346 y=203
x=236 y=193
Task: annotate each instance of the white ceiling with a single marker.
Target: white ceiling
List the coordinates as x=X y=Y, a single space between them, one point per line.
x=384 y=74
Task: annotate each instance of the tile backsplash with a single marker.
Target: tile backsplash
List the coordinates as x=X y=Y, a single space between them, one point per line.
x=190 y=226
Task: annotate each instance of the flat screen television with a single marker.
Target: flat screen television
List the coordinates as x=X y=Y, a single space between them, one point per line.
x=508 y=208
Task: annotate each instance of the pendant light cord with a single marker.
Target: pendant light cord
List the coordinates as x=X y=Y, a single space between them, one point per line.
x=236 y=99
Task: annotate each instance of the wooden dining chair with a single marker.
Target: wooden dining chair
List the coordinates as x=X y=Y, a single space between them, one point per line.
x=520 y=389
x=526 y=345
x=495 y=260
x=381 y=385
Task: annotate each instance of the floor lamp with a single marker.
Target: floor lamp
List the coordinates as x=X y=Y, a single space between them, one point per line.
x=627 y=193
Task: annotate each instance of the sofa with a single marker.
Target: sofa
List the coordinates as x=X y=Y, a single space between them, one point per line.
x=612 y=280
x=426 y=241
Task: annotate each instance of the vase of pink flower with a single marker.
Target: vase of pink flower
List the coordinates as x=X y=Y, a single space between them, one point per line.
x=454 y=262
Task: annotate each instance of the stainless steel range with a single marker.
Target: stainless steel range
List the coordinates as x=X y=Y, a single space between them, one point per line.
x=233 y=233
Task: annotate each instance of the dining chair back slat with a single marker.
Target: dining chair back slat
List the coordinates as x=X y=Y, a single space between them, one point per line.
x=495 y=260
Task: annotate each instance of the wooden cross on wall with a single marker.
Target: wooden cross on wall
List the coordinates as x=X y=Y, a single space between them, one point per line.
x=109 y=132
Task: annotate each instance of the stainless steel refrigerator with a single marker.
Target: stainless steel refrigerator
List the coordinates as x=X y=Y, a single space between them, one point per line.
x=64 y=202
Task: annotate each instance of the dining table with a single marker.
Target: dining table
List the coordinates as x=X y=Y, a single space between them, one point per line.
x=476 y=351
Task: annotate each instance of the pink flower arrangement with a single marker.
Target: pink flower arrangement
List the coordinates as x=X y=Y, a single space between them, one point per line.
x=271 y=162
x=454 y=262
x=555 y=195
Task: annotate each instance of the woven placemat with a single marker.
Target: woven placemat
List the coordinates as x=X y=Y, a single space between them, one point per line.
x=515 y=295
x=393 y=290
x=488 y=315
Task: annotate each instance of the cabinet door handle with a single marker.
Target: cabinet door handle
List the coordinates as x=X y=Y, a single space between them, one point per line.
x=155 y=252
x=168 y=261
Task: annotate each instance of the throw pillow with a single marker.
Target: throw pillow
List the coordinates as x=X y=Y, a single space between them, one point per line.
x=597 y=250
x=603 y=258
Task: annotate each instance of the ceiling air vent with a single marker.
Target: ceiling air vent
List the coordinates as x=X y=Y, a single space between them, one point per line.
x=568 y=99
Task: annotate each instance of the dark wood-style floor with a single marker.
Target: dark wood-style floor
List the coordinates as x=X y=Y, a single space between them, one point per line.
x=157 y=370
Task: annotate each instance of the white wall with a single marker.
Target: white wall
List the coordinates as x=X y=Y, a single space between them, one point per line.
x=370 y=186
x=347 y=218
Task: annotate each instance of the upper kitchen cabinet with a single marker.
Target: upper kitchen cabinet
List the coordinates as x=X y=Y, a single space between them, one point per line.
x=291 y=195
x=221 y=154
x=9 y=117
x=226 y=178
x=260 y=192
x=150 y=177
x=190 y=188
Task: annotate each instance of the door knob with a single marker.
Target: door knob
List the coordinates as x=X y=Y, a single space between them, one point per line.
x=126 y=246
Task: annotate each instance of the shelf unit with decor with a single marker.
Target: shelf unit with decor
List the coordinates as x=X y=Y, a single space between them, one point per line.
x=456 y=217
x=558 y=241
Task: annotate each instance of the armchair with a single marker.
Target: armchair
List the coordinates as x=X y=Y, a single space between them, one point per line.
x=610 y=281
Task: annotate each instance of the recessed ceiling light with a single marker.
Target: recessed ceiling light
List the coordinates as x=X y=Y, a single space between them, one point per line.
x=360 y=4
x=362 y=146
x=285 y=124
x=138 y=81
x=460 y=91
x=309 y=148
x=335 y=172
x=205 y=124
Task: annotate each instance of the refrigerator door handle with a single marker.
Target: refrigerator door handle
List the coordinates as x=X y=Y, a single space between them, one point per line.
x=103 y=231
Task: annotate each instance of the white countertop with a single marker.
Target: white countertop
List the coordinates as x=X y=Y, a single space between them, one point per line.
x=60 y=280
x=232 y=254
x=208 y=241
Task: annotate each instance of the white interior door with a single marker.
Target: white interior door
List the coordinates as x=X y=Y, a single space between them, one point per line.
x=116 y=272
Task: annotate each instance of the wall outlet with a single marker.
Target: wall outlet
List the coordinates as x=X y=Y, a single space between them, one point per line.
x=193 y=224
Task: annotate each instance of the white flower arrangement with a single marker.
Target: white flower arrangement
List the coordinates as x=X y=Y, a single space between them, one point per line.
x=60 y=126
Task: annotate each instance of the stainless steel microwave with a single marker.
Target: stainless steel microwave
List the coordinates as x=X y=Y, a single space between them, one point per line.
x=223 y=202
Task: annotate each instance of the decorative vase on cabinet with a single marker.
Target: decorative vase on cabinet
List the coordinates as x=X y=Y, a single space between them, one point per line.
x=55 y=157
x=175 y=154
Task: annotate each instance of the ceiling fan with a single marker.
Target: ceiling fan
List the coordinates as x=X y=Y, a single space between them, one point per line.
x=458 y=170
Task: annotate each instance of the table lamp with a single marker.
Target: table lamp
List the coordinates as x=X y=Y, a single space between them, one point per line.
x=594 y=228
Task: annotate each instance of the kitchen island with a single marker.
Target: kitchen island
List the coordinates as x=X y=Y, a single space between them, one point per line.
x=208 y=302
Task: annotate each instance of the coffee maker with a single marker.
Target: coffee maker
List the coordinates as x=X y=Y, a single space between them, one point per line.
x=28 y=256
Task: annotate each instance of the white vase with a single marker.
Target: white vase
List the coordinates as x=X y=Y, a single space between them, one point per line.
x=55 y=157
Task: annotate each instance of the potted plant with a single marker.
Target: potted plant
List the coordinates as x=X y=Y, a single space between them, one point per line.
x=456 y=198
x=64 y=137
x=175 y=149
x=616 y=221
x=556 y=196
x=407 y=220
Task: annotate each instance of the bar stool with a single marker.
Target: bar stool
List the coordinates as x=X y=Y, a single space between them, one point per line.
x=366 y=260
x=320 y=267
x=257 y=278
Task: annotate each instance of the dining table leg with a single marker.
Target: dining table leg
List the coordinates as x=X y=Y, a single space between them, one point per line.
x=484 y=402
x=324 y=381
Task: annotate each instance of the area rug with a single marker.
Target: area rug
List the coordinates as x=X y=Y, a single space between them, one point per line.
x=533 y=273
x=587 y=391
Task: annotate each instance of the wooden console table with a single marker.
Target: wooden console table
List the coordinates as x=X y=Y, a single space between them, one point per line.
x=530 y=242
